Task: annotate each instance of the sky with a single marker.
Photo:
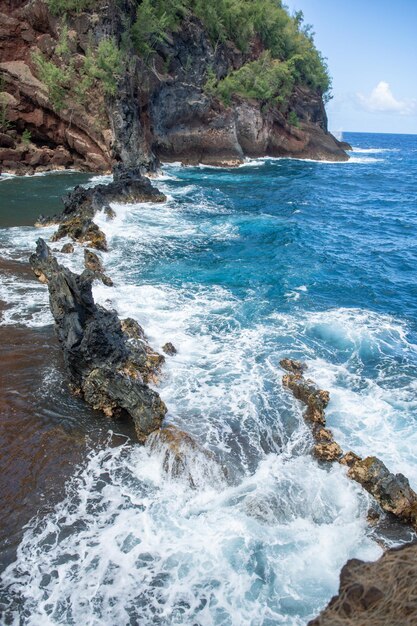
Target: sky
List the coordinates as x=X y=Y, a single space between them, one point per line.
x=371 y=51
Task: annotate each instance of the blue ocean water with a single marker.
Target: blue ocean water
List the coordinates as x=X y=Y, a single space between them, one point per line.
x=240 y=268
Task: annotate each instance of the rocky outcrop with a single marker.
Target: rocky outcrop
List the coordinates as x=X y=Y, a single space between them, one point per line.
x=81 y=205
x=160 y=109
x=375 y=594
x=110 y=370
x=71 y=137
x=391 y=491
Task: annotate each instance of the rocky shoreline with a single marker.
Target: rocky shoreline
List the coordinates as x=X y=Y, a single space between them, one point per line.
x=156 y=112
x=112 y=366
x=109 y=361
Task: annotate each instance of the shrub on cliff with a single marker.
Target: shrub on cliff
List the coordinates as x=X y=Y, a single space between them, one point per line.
x=265 y=79
x=102 y=65
x=59 y=7
x=242 y=22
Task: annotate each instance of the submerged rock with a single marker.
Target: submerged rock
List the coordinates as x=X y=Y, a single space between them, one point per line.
x=169 y=349
x=104 y=367
x=382 y=593
x=184 y=457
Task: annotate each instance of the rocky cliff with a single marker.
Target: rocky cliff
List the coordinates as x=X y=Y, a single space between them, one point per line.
x=67 y=100
x=375 y=594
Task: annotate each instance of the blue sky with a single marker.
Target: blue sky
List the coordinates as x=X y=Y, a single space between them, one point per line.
x=371 y=48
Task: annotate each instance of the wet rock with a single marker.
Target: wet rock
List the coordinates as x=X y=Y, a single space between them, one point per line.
x=81 y=205
x=83 y=230
x=97 y=353
x=306 y=390
x=373 y=516
x=67 y=248
x=392 y=491
x=92 y=262
x=133 y=329
x=327 y=451
x=326 y=448
x=110 y=213
x=169 y=349
x=295 y=367
x=375 y=594
x=349 y=459
x=183 y=456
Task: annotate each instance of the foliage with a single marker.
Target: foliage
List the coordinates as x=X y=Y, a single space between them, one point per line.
x=5 y=123
x=104 y=64
x=293 y=119
x=56 y=79
x=62 y=49
x=26 y=137
x=154 y=20
x=242 y=22
x=60 y=7
x=265 y=79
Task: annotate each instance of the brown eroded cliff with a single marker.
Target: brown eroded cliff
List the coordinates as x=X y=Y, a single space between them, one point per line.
x=58 y=111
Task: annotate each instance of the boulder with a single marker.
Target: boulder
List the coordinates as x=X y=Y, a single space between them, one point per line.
x=392 y=491
x=169 y=349
x=67 y=248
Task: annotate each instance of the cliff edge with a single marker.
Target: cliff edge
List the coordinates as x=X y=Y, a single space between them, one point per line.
x=88 y=84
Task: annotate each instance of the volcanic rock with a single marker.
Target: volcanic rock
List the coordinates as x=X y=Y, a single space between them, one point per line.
x=103 y=367
x=382 y=593
x=67 y=248
x=169 y=349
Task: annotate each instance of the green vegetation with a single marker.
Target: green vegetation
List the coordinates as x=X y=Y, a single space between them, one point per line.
x=5 y=123
x=293 y=119
x=102 y=65
x=56 y=79
x=265 y=79
x=154 y=20
x=26 y=137
x=60 y=7
x=290 y=56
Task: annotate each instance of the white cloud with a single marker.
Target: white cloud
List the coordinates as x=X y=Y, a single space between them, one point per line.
x=381 y=99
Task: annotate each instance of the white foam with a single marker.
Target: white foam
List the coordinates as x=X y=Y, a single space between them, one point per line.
x=129 y=543
x=373 y=150
x=364 y=160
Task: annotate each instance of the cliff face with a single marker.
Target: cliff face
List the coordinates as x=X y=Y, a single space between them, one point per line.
x=159 y=110
x=375 y=594
x=76 y=136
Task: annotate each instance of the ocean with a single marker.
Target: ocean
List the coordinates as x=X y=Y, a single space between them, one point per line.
x=238 y=269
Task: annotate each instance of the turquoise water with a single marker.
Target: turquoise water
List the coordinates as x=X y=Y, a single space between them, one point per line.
x=238 y=269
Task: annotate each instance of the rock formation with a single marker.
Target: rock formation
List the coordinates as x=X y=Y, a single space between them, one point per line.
x=392 y=491
x=158 y=109
x=375 y=594
x=110 y=370
x=81 y=205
